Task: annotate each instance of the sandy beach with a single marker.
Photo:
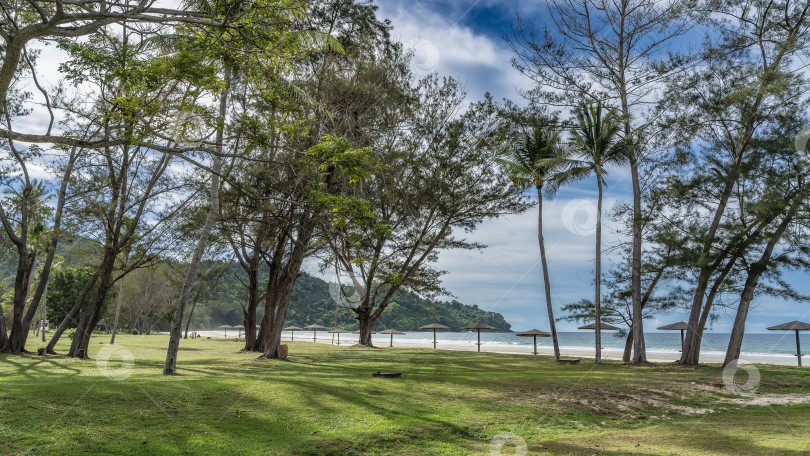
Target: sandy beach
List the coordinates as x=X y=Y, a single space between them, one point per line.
x=583 y=353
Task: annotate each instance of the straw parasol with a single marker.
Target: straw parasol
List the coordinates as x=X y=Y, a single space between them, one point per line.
x=315 y=329
x=478 y=327
x=794 y=326
x=240 y=328
x=392 y=332
x=226 y=328
x=681 y=325
x=534 y=333
x=292 y=330
x=602 y=327
x=434 y=327
x=338 y=332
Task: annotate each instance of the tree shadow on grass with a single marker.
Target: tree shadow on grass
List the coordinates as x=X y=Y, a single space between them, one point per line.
x=28 y=365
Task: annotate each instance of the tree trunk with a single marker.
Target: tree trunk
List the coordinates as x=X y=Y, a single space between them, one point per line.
x=597 y=301
x=738 y=330
x=42 y=314
x=628 y=347
x=278 y=313
x=707 y=308
x=250 y=312
x=81 y=339
x=546 y=282
x=284 y=288
x=367 y=322
x=3 y=333
x=691 y=348
x=170 y=366
x=188 y=320
x=639 y=346
x=22 y=281
x=42 y=282
x=118 y=307
x=754 y=273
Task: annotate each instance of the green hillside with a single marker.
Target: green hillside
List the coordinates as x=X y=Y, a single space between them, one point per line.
x=149 y=295
x=312 y=303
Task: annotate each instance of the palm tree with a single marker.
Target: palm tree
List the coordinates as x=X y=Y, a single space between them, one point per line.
x=597 y=137
x=537 y=161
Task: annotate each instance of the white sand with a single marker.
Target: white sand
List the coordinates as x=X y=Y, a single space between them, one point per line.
x=522 y=349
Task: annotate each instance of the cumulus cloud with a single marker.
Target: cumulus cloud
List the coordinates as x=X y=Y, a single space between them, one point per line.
x=464 y=39
x=479 y=59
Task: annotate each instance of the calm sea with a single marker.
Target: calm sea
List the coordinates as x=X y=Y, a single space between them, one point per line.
x=777 y=345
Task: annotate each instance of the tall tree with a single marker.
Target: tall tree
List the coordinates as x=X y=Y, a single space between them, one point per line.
x=438 y=181
x=597 y=137
x=747 y=80
x=614 y=52
x=533 y=162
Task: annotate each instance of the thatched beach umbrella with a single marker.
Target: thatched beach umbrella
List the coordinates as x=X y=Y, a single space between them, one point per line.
x=434 y=327
x=338 y=332
x=681 y=325
x=292 y=330
x=392 y=332
x=314 y=328
x=226 y=328
x=478 y=327
x=240 y=328
x=602 y=327
x=534 y=333
x=794 y=326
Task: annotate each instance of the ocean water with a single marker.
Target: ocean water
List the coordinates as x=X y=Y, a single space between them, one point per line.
x=777 y=345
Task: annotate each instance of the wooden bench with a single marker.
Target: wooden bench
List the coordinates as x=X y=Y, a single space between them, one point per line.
x=387 y=374
x=568 y=361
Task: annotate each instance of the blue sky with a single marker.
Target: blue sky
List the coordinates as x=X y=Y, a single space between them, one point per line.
x=464 y=38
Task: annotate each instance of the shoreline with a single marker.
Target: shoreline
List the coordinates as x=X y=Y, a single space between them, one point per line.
x=583 y=353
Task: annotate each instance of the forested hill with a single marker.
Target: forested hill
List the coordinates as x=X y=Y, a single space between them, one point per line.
x=311 y=303
x=149 y=296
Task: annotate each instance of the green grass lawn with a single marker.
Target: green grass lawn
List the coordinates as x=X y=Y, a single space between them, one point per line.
x=324 y=401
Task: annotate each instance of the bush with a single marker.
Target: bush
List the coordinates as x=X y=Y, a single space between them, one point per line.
x=71 y=332
x=134 y=332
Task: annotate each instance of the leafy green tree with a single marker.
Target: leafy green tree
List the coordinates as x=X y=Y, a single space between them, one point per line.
x=65 y=288
x=438 y=182
x=617 y=53
x=745 y=85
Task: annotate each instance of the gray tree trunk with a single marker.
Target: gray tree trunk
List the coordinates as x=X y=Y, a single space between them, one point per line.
x=118 y=308
x=597 y=300
x=628 y=347
x=546 y=282
x=637 y=332
x=170 y=366
x=755 y=271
